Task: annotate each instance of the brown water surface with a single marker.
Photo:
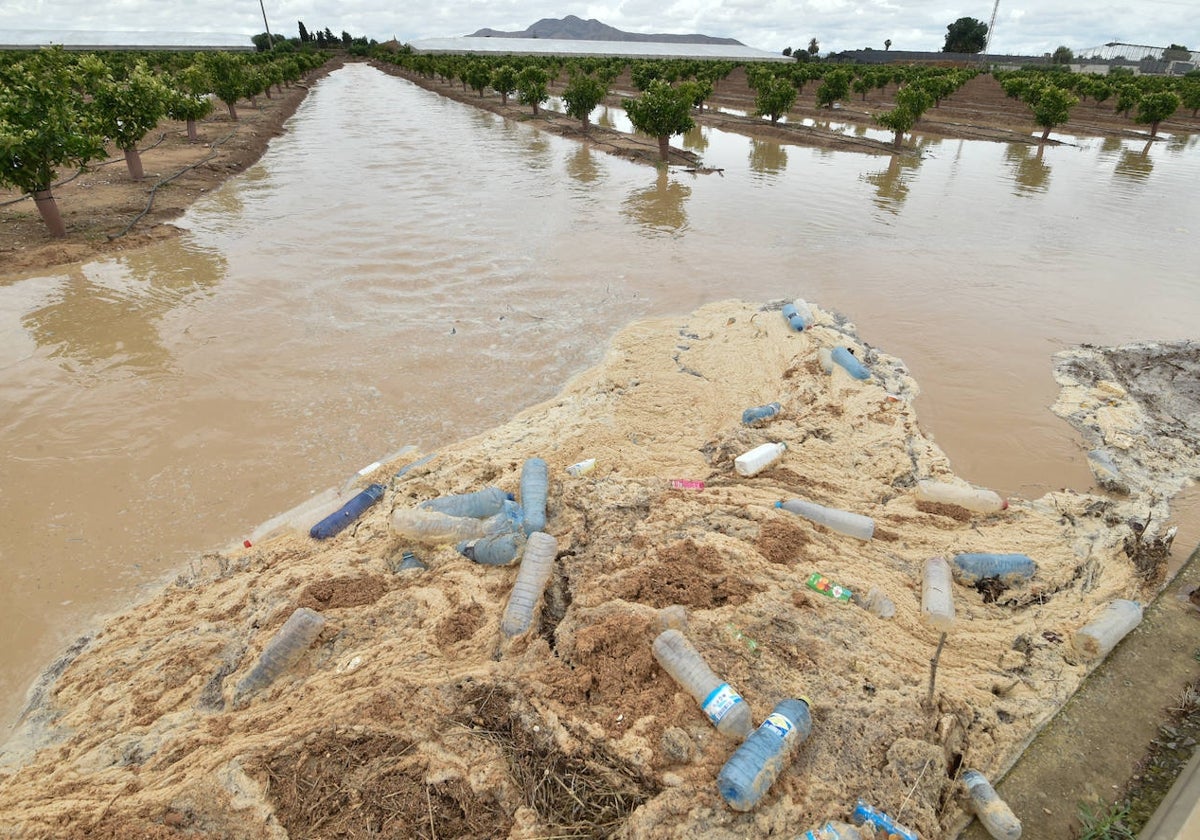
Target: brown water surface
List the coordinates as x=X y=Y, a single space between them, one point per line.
x=401 y=269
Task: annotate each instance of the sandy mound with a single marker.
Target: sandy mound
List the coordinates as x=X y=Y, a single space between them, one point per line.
x=408 y=717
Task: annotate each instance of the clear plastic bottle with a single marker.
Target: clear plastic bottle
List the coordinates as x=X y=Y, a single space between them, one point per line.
x=850 y=362
x=865 y=814
x=937 y=595
x=478 y=505
x=758 y=458
x=844 y=522
x=1105 y=469
x=751 y=416
x=993 y=812
x=347 y=513
x=972 y=567
x=755 y=765
x=825 y=357
x=535 y=480
x=1097 y=638
x=410 y=563
x=963 y=495
x=496 y=550
x=282 y=652
x=834 y=830
x=537 y=562
x=876 y=603
x=581 y=467
x=795 y=320
x=724 y=706
x=429 y=526
x=805 y=312
x=673 y=617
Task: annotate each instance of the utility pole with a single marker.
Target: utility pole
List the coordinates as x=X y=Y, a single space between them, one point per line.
x=271 y=42
x=991 y=26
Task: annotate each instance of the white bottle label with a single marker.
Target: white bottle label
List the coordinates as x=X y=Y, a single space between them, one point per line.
x=718 y=704
x=777 y=722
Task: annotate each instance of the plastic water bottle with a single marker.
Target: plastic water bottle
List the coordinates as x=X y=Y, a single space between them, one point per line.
x=535 y=479
x=844 y=522
x=478 y=505
x=992 y=811
x=795 y=320
x=429 y=526
x=971 y=568
x=1105 y=469
x=759 y=413
x=833 y=830
x=937 y=595
x=282 y=652
x=673 y=617
x=804 y=311
x=876 y=603
x=756 y=764
x=758 y=458
x=496 y=550
x=963 y=495
x=410 y=563
x=843 y=357
x=1100 y=636
x=537 y=562
x=582 y=467
x=724 y=706
x=864 y=814
x=347 y=513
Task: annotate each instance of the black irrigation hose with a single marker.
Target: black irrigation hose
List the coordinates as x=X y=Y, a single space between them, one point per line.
x=82 y=169
x=154 y=189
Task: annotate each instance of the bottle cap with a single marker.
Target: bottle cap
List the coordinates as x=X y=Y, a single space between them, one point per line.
x=779 y=503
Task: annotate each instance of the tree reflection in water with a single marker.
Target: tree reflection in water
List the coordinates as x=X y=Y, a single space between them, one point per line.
x=1135 y=165
x=1031 y=173
x=767 y=157
x=660 y=208
x=892 y=184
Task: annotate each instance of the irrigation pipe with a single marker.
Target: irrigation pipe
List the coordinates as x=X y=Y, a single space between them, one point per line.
x=82 y=169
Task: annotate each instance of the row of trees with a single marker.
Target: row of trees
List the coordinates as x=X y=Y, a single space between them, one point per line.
x=59 y=109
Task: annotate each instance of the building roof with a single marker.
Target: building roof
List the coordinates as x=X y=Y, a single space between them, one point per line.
x=580 y=48
x=19 y=39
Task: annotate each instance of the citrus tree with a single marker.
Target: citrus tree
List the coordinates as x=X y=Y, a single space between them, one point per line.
x=1051 y=106
x=582 y=94
x=127 y=109
x=1153 y=108
x=504 y=81
x=44 y=126
x=774 y=98
x=227 y=75
x=834 y=87
x=911 y=102
x=531 y=87
x=188 y=99
x=660 y=112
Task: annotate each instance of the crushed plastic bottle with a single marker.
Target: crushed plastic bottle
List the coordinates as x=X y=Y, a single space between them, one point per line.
x=842 y=356
x=759 y=458
x=1097 y=638
x=1105 y=469
x=581 y=467
x=537 y=562
x=992 y=811
x=429 y=526
x=283 y=651
x=963 y=495
x=851 y=524
x=496 y=550
x=755 y=765
x=937 y=595
x=724 y=706
x=834 y=830
x=535 y=481
x=478 y=505
x=347 y=513
x=759 y=413
x=876 y=603
x=1012 y=569
x=865 y=814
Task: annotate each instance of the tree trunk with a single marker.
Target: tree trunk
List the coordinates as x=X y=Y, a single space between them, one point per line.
x=898 y=140
x=664 y=146
x=232 y=111
x=1046 y=134
x=191 y=127
x=503 y=98
x=48 y=208
x=254 y=101
x=584 y=121
x=535 y=109
x=133 y=160
x=1153 y=129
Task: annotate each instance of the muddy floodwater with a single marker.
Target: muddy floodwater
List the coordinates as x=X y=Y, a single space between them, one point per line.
x=401 y=269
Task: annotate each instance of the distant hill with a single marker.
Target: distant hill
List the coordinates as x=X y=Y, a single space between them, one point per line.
x=572 y=28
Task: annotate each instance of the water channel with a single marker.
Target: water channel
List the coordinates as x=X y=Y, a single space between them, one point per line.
x=403 y=269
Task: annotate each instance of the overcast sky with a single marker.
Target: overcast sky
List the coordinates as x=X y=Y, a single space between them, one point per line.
x=1022 y=26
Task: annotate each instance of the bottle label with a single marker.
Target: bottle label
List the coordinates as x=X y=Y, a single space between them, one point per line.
x=817 y=582
x=777 y=723
x=717 y=704
x=686 y=484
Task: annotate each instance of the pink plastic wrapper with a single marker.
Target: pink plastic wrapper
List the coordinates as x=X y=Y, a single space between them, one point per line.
x=686 y=484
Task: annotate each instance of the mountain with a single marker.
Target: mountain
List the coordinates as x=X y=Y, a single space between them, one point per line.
x=572 y=28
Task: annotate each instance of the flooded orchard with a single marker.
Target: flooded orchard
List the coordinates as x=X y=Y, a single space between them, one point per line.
x=402 y=269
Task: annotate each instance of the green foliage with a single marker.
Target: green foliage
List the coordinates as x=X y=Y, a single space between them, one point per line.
x=1189 y=95
x=582 y=94
x=1153 y=108
x=697 y=92
x=775 y=98
x=1105 y=823
x=1051 y=106
x=1128 y=97
x=660 y=112
x=477 y=75
x=911 y=102
x=531 y=86
x=1063 y=55
x=966 y=35
x=1177 y=52
x=644 y=72
x=43 y=121
x=504 y=81
x=126 y=110
x=227 y=75
x=834 y=87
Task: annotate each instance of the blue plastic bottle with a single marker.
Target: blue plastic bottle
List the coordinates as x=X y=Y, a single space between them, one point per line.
x=879 y=821
x=535 y=479
x=410 y=562
x=850 y=362
x=971 y=568
x=478 y=505
x=347 y=513
x=496 y=550
x=759 y=413
x=754 y=766
x=794 y=319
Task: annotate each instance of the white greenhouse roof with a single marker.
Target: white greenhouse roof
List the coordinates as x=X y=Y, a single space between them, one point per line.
x=571 y=47
x=112 y=40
